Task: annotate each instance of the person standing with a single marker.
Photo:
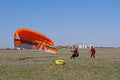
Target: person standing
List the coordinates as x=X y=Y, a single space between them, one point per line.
x=92 y=51
x=75 y=53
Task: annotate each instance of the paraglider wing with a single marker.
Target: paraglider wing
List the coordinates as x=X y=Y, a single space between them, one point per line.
x=30 y=39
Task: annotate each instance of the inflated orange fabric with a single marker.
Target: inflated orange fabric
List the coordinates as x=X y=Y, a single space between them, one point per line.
x=33 y=36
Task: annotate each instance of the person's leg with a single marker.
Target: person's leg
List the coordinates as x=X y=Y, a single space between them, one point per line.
x=94 y=55
x=77 y=55
x=72 y=56
x=91 y=55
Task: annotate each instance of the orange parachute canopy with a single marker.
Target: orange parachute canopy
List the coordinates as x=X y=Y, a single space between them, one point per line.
x=30 y=39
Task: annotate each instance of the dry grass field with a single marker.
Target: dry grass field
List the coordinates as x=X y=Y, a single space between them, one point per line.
x=35 y=65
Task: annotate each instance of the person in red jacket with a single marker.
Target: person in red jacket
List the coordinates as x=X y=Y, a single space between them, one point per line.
x=75 y=53
x=92 y=51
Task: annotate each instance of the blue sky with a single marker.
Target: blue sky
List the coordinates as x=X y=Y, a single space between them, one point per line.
x=64 y=21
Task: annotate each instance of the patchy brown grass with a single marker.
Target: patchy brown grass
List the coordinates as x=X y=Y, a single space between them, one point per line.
x=33 y=65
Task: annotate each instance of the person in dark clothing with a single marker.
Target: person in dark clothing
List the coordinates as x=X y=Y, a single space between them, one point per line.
x=75 y=53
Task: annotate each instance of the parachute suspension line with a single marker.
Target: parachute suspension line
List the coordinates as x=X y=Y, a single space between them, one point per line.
x=38 y=46
x=41 y=46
